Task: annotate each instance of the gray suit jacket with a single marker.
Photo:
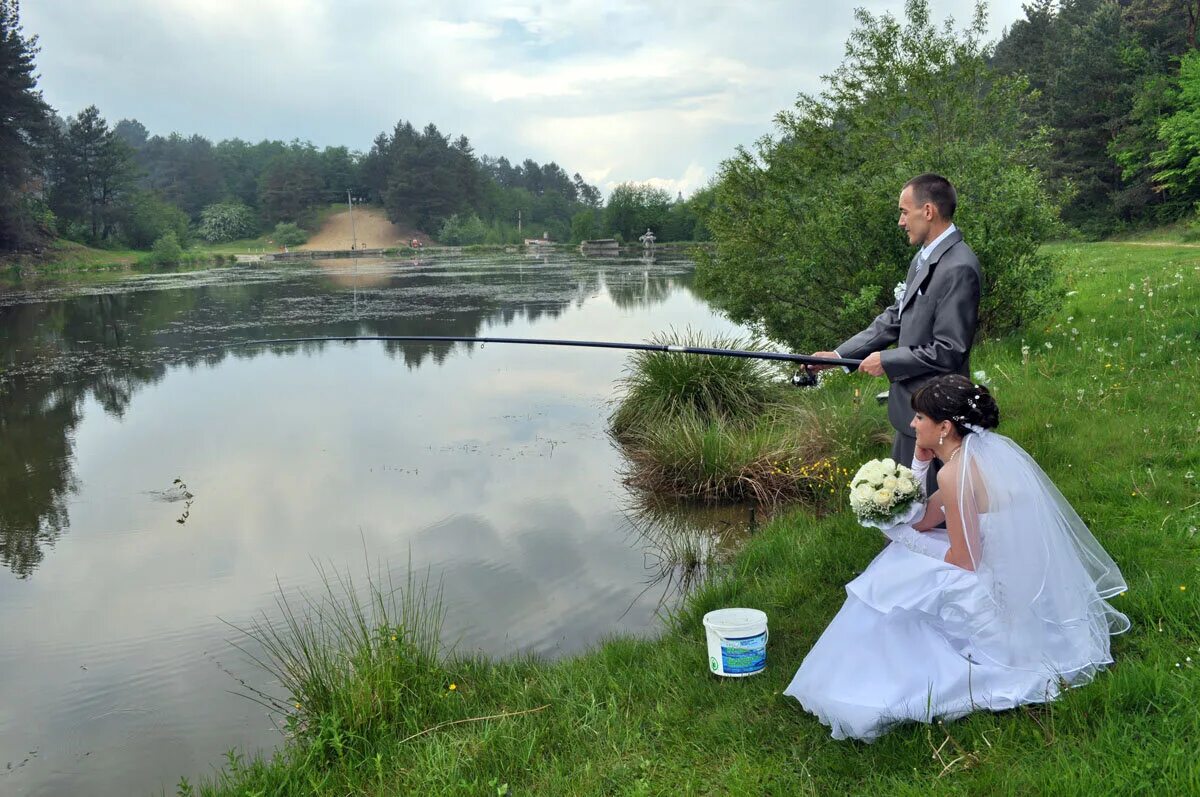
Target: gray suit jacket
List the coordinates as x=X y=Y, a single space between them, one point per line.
x=934 y=333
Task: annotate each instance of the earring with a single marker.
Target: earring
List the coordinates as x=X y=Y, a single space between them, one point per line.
x=942 y=439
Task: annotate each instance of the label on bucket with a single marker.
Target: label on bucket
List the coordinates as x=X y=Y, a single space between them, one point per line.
x=745 y=655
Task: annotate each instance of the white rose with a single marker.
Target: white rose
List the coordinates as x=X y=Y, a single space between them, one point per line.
x=883 y=497
x=862 y=493
x=890 y=483
x=905 y=486
x=889 y=464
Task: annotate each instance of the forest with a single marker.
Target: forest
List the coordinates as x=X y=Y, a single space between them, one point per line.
x=1110 y=120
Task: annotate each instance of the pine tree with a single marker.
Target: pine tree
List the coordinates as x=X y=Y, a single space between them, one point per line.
x=24 y=128
x=93 y=172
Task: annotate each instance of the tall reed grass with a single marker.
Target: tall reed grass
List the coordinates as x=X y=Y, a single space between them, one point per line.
x=353 y=660
x=664 y=386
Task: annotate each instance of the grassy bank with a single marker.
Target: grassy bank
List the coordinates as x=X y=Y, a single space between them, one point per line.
x=1103 y=395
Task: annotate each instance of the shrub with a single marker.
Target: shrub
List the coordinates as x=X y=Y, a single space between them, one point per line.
x=289 y=234
x=147 y=218
x=463 y=231
x=166 y=250
x=226 y=221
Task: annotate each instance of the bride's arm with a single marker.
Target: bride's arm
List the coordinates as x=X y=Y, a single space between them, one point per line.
x=934 y=513
x=960 y=552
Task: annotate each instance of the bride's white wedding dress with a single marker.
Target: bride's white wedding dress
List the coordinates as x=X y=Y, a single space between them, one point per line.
x=921 y=639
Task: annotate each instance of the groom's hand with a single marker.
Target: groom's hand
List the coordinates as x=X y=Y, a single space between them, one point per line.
x=827 y=355
x=872 y=365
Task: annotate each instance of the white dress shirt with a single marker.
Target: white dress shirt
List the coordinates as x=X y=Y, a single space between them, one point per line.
x=922 y=257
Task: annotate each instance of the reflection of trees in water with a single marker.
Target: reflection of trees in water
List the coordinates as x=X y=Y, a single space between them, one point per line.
x=35 y=473
x=682 y=542
x=44 y=382
x=645 y=286
x=55 y=354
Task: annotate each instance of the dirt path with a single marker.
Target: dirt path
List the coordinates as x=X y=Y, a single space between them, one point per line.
x=372 y=230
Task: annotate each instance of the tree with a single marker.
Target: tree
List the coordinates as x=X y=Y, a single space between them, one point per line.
x=1178 y=162
x=588 y=194
x=462 y=231
x=291 y=185
x=24 y=127
x=144 y=218
x=93 y=171
x=1099 y=70
x=633 y=208
x=807 y=248
x=584 y=225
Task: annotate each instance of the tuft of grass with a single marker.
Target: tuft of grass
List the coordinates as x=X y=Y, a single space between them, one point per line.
x=783 y=457
x=660 y=387
x=351 y=661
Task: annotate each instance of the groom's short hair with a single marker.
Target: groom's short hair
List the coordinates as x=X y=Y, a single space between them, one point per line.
x=937 y=191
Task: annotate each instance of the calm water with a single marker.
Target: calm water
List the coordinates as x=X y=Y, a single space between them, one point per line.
x=487 y=465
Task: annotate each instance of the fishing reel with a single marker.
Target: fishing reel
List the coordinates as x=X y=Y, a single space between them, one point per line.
x=805 y=377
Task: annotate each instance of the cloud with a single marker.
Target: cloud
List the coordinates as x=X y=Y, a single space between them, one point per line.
x=627 y=90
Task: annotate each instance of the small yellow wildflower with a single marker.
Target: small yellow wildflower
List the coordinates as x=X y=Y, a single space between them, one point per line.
x=297 y=705
x=1183 y=587
x=453 y=687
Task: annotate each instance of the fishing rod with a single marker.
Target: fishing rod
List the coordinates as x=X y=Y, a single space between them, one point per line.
x=799 y=359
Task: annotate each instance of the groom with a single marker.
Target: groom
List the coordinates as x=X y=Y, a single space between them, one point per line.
x=933 y=321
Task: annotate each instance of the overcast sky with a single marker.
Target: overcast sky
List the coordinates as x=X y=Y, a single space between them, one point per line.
x=626 y=90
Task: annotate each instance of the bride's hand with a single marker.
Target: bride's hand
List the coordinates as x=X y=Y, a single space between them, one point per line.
x=924 y=454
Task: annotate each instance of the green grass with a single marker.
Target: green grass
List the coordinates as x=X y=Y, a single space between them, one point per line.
x=661 y=387
x=1183 y=231
x=1108 y=408
x=67 y=256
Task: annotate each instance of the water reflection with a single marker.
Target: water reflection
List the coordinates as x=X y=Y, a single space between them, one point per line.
x=683 y=543
x=116 y=338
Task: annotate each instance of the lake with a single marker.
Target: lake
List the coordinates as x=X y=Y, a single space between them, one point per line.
x=157 y=486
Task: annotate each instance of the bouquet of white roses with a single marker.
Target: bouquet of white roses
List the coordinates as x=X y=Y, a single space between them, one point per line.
x=885 y=494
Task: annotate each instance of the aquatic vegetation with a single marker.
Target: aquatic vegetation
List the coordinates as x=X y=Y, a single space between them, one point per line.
x=783 y=457
x=661 y=387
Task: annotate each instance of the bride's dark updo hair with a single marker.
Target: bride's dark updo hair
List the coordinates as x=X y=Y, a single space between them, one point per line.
x=953 y=397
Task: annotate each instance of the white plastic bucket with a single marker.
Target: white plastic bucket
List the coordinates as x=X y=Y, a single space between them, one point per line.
x=737 y=642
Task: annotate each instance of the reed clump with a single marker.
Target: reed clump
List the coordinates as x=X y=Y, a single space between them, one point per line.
x=667 y=386
x=781 y=457
x=723 y=429
x=353 y=662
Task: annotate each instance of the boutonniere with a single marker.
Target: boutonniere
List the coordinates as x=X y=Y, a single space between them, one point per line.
x=899 y=291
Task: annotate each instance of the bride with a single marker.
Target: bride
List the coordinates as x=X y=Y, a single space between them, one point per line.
x=1006 y=606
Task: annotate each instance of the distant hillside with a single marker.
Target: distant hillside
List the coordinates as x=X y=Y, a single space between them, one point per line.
x=372 y=230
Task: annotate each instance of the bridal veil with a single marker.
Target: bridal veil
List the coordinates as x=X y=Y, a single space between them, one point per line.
x=1046 y=579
